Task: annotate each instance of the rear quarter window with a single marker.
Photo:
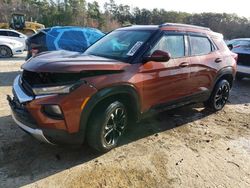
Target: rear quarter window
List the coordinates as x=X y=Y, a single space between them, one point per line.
x=200 y=45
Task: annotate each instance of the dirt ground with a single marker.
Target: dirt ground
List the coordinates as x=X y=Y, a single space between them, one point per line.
x=186 y=147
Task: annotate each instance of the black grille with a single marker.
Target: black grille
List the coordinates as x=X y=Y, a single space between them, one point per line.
x=27 y=88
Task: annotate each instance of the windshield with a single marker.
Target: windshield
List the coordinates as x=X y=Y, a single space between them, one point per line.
x=119 y=45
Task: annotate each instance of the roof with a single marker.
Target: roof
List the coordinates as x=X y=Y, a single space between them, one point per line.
x=139 y=27
x=184 y=25
x=173 y=27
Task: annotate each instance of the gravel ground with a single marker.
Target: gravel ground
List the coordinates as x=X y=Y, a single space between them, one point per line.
x=186 y=147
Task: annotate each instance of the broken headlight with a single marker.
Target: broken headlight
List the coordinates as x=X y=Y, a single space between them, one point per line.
x=62 y=89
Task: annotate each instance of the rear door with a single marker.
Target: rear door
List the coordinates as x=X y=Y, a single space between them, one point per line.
x=165 y=82
x=204 y=62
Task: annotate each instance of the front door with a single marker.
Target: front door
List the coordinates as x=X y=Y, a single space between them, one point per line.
x=165 y=82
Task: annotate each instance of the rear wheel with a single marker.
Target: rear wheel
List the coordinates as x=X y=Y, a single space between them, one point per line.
x=219 y=96
x=5 y=52
x=106 y=126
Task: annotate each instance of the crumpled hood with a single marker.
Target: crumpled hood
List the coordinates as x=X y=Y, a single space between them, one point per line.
x=66 y=62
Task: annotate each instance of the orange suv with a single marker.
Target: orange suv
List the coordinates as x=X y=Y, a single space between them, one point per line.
x=69 y=97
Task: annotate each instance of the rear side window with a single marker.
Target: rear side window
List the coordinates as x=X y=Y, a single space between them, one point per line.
x=3 y=33
x=173 y=44
x=200 y=45
x=13 y=34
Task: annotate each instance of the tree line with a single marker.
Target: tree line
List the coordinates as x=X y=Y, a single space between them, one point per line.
x=113 y=15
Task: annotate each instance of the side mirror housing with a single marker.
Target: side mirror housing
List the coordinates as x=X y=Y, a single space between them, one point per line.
x=158 y=56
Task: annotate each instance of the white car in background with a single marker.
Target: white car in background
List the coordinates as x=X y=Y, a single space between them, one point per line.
x=9 y=47
x=14 y=35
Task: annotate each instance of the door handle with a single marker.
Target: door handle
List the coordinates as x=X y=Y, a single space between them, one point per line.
x=184 y=64
x=217 y=60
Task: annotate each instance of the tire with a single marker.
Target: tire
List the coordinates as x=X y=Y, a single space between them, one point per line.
x=5 y=52
x=106 y=126
x=219 y=96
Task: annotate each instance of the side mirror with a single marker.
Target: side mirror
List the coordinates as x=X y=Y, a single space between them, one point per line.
x=158 y=56
x=230 y=46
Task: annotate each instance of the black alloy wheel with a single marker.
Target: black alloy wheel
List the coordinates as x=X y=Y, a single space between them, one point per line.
x=219 y=96
x=107 y=125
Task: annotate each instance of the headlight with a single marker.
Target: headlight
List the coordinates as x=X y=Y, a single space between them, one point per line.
x=63 y=89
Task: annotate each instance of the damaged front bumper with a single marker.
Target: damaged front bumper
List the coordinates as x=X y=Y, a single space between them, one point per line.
x=36 y=133
x=20 y=114
x=28 y=113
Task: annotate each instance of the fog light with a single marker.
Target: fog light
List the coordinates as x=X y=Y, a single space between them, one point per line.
x=53 y=111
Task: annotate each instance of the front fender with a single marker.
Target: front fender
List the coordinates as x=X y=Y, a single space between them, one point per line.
x=104 y=94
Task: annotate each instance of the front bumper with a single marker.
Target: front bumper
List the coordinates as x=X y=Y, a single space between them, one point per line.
x=20 y=114
x=37 y=133
x=28 y=115
x=17 y=50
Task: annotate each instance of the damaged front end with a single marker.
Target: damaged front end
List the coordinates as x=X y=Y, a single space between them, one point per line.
x=40 y=105
x=50 y=83
x=57 y=83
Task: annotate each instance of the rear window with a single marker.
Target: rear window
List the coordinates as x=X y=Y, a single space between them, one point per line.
x=73 y=41
x=200 y=45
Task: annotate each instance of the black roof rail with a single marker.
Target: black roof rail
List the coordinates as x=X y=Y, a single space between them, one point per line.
x=184 y=25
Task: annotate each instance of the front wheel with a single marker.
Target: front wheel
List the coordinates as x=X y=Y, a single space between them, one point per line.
x=219 y=96
x=106 y=126
x=5 y=52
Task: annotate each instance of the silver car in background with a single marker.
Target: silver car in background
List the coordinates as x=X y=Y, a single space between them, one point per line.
x=241 y=47
x=14 y=35
x=9 y=47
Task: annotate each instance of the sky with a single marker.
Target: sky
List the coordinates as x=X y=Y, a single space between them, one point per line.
x=240 y=7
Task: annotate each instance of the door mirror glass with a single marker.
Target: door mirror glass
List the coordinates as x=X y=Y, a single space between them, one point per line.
x=159 y=56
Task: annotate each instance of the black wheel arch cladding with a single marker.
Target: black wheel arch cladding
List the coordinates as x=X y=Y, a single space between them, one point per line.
x=109 y=93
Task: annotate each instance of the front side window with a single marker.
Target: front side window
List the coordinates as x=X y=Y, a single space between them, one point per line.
x=200 y=45
x=173 y=44
x=119 y=45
